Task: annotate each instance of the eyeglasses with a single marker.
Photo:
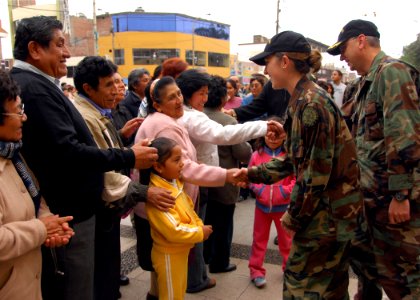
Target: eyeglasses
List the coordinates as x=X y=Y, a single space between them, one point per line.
x=19 y=114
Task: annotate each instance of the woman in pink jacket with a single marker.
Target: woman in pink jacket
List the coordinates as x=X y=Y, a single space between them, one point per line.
x=271 y=203
x=164 y=120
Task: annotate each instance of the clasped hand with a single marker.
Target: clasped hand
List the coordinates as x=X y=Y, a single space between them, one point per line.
x=58 y=230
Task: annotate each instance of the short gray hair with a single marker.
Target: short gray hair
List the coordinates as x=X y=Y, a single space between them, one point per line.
x=373 y=41
x=133 y=77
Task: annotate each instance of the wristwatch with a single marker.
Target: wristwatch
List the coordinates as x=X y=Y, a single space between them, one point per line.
x=400 y=197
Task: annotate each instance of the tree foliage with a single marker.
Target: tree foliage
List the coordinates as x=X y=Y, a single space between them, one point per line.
x=411 y=53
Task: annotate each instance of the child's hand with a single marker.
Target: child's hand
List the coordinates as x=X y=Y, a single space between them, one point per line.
x=207 y=230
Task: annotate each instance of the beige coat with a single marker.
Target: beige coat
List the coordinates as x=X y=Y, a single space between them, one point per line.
x=115 y=184
x=21 y=236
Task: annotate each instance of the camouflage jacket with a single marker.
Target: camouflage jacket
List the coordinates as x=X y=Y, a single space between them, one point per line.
x=387 y=132
x=321 y=151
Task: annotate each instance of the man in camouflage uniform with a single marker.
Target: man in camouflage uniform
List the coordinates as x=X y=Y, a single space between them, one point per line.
x=347 y=109
x=326 y=205
x=387 y=134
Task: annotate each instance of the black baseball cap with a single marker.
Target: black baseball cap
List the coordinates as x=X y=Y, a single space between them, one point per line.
x=353 y=29
x=286 y=41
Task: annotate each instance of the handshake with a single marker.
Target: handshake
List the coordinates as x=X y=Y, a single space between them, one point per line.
x=238 y=177
x=58 y=230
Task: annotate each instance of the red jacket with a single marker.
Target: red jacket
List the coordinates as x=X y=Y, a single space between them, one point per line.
x=274 y=197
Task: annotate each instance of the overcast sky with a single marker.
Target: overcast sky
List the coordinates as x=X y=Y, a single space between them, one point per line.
x=321 y=20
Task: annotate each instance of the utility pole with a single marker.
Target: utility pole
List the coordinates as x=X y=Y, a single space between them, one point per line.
x=278 y=13
x=193 y=44
x=95 y=30
x=12 y=23
x=113 y=42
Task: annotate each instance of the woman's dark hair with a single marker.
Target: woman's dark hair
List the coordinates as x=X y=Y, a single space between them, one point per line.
x=217 y=91
x=38 y=29
x=147 y=94
x=164 y=147
x=260 y=142
x=155 y=95
x=191 y=81
x=90 y=69
x=232 y=83
x=325 y=85
x=9 y=91
x=157 y=72
x=304 y=62
x=258 y=77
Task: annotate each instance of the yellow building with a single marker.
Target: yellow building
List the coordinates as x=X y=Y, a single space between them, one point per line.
x=145 y=40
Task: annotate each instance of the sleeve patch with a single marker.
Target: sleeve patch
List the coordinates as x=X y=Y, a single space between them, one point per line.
x=310 y=116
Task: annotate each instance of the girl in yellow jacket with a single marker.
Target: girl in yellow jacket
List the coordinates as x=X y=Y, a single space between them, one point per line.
x=176 y=231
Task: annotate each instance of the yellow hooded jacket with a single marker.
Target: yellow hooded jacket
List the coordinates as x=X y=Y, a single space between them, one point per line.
x=178 y=229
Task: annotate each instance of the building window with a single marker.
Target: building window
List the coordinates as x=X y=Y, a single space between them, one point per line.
x=199 y=59
x=153 y=56
x=212 y=30
x=119 y=57
x=218 y=59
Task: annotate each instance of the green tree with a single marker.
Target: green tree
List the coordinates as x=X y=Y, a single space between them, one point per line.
x=411 y=53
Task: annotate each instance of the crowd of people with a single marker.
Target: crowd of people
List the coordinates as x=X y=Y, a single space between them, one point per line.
x=335 y=168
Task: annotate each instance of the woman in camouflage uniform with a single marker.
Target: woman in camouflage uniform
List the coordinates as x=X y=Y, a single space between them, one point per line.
x=326 y=206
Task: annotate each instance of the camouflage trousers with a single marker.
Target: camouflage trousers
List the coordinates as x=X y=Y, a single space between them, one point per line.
x=389 y=256
x=317 y=268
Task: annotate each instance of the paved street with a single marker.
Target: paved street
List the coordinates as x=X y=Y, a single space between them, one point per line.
x=233 y=285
